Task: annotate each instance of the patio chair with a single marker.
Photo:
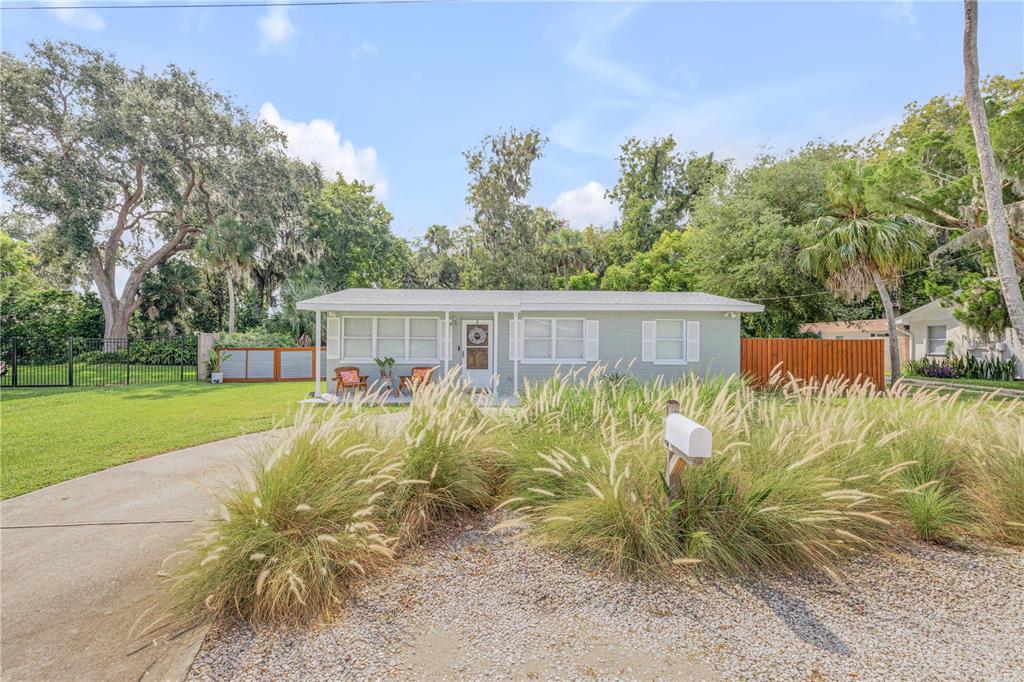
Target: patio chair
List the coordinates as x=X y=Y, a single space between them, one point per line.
x=348 y=377
x=419 y=375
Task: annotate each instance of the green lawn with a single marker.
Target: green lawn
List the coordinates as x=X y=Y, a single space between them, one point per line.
x=53 y=434
x=994 y=383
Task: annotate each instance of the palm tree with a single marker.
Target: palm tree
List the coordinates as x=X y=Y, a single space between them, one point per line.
x=856 y=250
x=230 y=248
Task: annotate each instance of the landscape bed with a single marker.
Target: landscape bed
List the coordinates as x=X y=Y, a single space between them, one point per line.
x=801 y=481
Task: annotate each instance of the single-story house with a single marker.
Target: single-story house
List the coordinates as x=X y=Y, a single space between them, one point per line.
x=932 y=326
x=499 y=339
x=859 y=329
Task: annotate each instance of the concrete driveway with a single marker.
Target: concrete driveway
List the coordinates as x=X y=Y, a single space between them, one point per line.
x=79 y=563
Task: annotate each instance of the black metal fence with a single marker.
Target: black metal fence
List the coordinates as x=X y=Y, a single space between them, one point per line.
x=36 y=362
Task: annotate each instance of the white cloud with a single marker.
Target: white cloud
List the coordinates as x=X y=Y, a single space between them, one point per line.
x=586 y=205
x=363 y=49
x=79 y=18
x=319 y=141
x=900 y=11
x=276 y=28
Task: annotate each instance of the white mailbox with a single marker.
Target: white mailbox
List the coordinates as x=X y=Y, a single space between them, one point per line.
x=687 y=441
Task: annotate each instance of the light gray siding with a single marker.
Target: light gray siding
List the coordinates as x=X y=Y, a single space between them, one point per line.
x=620 y=336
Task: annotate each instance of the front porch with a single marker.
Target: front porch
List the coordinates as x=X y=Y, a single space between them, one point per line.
x=467 y=344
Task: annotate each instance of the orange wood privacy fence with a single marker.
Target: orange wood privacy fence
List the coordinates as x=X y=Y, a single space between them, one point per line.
x=814 y=359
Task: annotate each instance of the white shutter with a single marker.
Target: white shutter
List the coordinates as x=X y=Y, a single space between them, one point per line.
x=513 y=341
x=590 y=354
x=693 y=341
x=334 y=337
x=647 y=341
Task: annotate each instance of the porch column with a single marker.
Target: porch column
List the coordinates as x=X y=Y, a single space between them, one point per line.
x=518 y=345
x=447 y=341
x=494 y=340
x=316 y=358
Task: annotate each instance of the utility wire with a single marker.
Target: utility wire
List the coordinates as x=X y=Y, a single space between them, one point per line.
x=830 y=292
x=244 y=3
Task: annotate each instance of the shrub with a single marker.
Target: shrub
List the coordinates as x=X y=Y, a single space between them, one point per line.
x=255 y=338
x=964 y=367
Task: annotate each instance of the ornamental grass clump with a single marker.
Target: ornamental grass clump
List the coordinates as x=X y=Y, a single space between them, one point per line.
x=311 y=522
x=447 y=459
x=801 y=477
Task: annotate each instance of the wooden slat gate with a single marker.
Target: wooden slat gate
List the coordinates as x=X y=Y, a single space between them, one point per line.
x=814 y=359
x=269 y=364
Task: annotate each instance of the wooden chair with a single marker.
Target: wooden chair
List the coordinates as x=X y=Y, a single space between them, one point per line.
x=419 y=375
x=348 y=377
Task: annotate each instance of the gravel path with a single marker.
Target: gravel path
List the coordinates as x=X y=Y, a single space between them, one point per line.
x=478 y=606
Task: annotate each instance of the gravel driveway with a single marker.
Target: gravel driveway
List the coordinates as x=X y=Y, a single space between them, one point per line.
x=477 y=606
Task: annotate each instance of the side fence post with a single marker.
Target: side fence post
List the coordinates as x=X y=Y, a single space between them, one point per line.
x=71 y=361
x=14 y=361
x=128 y=362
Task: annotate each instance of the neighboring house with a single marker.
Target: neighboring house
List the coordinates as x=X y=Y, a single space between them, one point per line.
x=499 y=339
x=932 y=326
x=859 y=329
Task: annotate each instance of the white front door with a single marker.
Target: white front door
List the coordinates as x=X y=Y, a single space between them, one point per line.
x=477 y=367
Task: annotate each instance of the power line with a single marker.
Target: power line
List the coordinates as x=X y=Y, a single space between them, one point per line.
x=244 y=3
x=830 y=292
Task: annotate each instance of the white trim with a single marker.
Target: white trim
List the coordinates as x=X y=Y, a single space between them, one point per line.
x=515 y=362
x=374 y=337
x=491 y=360
x=531 y=307
x=447 y=342
x=551 y=359
x=692 y=341
x=591 y=340
x=334 y=349
x=316 y=358
x=671 y=361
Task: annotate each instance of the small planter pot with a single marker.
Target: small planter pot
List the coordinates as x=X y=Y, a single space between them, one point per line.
x=216 y=377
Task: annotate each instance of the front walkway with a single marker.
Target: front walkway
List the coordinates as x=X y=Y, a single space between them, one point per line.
x=81 y=560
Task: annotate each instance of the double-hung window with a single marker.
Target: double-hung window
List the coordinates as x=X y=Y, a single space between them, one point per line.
x=670 y=341
x=557 y=340
x=390 y=338
x=936 y=339
x=401 y=338
x=423 y=338
x=357 y=337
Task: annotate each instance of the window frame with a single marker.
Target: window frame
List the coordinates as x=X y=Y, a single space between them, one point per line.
x=553 y=338
x=406 y=338
x=683 y=341
x=928 y=339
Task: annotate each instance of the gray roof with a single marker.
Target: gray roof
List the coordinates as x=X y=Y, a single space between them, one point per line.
x=507 y=301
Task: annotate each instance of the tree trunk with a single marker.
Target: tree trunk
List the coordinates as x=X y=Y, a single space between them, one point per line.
x=998 y=229
x=231 y=304
x=890 y=319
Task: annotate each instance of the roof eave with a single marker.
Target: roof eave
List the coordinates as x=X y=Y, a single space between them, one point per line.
x=739 y=307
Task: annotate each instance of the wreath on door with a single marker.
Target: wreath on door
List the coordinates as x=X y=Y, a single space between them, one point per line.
x=477 y=335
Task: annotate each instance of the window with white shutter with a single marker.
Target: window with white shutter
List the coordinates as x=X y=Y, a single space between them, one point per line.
x=693 y=341
x=593 y=333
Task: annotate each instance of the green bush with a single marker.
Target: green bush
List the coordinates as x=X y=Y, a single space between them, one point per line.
x=964 y=367
x=255 y=338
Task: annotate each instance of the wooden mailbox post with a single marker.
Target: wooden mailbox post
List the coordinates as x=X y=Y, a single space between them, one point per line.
x=686 y=442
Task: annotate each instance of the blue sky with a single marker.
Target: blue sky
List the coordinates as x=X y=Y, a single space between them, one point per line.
x=394 y=94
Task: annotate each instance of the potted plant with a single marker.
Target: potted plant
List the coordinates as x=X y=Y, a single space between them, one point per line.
x=213 y=363
x=385 y=365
